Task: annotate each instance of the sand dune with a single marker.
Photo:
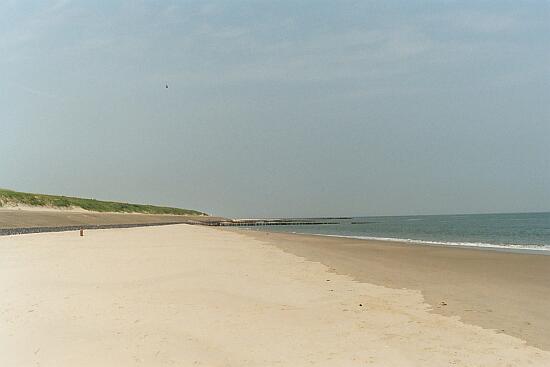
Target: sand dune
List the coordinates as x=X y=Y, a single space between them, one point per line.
x=187 y=295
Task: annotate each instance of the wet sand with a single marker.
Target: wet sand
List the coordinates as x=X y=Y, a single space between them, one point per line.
x=191 y=295
x=508 y=292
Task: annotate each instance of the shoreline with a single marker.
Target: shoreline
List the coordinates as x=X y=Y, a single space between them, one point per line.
x=512 y=248
x=507 y=291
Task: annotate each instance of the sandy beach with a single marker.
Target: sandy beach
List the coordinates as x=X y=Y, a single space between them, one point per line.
x=190 y=295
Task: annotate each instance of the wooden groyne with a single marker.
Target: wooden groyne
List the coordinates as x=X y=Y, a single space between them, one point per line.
x=29 y=230
x=268 y=222
x=21 y=228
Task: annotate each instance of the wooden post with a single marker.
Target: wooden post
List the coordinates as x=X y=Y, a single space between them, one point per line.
x=81 y=232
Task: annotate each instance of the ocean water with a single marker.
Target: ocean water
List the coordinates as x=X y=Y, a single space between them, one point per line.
x=514 y=231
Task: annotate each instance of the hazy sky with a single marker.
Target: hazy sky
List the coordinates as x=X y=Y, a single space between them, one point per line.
x=280 y=108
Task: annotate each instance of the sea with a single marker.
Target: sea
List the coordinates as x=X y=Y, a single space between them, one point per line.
x=523 y=232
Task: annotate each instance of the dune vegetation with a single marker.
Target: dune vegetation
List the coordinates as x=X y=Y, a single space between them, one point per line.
x=10 y=198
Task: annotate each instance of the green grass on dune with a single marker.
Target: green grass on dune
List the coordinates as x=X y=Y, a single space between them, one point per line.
x=9 y=197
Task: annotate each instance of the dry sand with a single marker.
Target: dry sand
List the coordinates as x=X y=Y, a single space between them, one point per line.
x=16 y=218
x=187 y=295
x=10 y=206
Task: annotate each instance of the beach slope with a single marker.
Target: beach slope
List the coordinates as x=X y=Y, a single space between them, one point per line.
x=506 y=291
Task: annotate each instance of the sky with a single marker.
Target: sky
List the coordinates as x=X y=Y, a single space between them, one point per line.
x=280 y=108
